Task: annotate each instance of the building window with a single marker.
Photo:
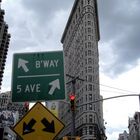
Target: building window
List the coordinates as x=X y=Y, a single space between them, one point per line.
x=94 y=108
x=90 y=130
x=89 y=78
x=89 y=61
x=85 y=37
x=86 y=87
x=89 y=22
x=81 y=132
x=86 y=118
x=81 y=2
x=89 y=9
x=79 y=9
x=85 y=53
x=89 y=69
x=90 y=118
x=85 y=61
x=5 y=133
x=89 y=45
x=90 y=106
x=88 y=1
x=85 y=45
x=86 y=69
x=89 y=87
x=94 y=119
x=85 y=130
x=89 y=37
x=76 y=16
x=89 y=30
x=89 y=52
x=88 y=16
x=90 y=97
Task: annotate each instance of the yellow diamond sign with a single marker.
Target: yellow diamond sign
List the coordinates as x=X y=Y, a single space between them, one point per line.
x=38 y=124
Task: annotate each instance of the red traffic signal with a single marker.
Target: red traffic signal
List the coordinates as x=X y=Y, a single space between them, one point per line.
x=72 y=97
x=72 y=102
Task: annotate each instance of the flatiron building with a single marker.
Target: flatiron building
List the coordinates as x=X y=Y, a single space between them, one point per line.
x=80 y=44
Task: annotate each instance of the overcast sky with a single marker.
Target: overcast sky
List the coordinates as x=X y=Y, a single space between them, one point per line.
x=120 y=32
x=37 y=25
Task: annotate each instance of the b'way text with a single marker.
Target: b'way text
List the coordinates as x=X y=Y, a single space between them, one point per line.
x=46 y=63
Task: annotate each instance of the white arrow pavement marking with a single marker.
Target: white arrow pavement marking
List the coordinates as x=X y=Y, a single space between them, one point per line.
x=55 y=84
x=22 y=63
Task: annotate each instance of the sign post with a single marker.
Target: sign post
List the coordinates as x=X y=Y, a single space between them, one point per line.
x=38 y=76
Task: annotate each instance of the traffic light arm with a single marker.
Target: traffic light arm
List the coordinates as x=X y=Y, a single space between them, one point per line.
x=113 y=97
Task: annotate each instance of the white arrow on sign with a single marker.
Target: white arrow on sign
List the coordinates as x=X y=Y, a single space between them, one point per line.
x=55 y=84
x=22 y=63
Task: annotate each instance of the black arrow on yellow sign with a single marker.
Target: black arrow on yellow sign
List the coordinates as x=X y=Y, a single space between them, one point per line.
x=27 y=128
x=49 y=127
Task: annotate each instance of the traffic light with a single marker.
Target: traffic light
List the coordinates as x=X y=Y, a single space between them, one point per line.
x=26 y=106
x=72 y=102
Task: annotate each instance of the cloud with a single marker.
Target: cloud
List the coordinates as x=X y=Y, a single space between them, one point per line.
x=36 y=25
x=44 y=10
x=119 y=26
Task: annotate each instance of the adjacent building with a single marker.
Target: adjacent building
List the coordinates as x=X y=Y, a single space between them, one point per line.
x=80 y=44
x=10 y=113
x=123 y=136
x=4 y=43
x=134 y=127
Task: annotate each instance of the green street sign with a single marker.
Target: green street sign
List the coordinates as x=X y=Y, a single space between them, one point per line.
x=38 y=76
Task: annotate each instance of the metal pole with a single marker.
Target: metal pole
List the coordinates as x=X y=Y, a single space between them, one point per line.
x=139 y=100
x=73 y=111
x=73 y=81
